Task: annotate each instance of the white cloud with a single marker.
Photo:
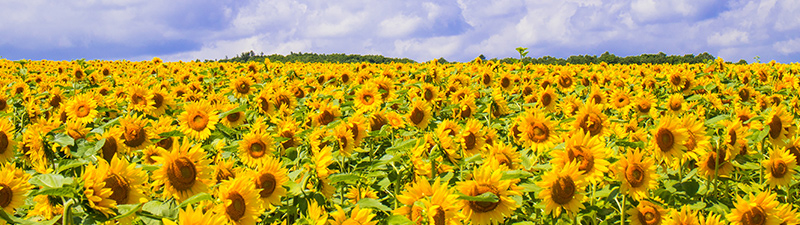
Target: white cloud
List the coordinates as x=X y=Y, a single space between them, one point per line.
x=399 y=26
x=788 y=47
x=727 y=38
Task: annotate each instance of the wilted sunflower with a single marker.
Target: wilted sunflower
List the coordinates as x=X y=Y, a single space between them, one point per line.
x=780 y=167
x=196 y=217
x=255 y=149
x=184 y=171
x=647 y=213
x=780 y=126
x=240 y=202
x=592 y=119
x=81 y=108
x=419 y=114
x=562 y=190
x=269 y=180
x=198 y=120
x=7 y=143
x=357 y=215
x=487 y=178
x=588 y=152
x=136 y=133
x=13 y=188
x=758 y=209
x=367 y=98
x=669 y=139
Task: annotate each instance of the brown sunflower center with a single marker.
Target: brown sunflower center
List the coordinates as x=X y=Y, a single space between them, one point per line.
x=264 y=104
x=233 y=117
x=134 y=136
x=470 y=141
x=635 y=175
x=326 y=117
x=109 y=148
x=665 y=139
x=438 y=217
x=224 y=174
x=417 y=116
x=585 y=160
x=3 y=104
x=691 y=143
x=505 y=82
x=158 y=100
x=3 y=142
x=138 y=99
x=643 y=107
x=565 y=81
x=290 y=141
x=243 y=88
x=182 y=174
x=744 y=94
x=5 y=195
x=591 y=122
x=257 y=149
x=284 y=100
x=368 y=99
x=267 y=183
x=119 y=188
x=675 y=80
x=377 y=121
x=483 y=207
x=82 y=111
x=675 y=105
x=563 y=190
x=649 y=215
x=775 y=127
x=165 y=143
x=527 y=90
x=237 y=207
x=711 y=162
x=597 y=99
x=55 y=101
x=779 y=169
x=546 y=99
x=466 y=111
x=343 y=142
x=540 y=132
x=794 y=150
x=428 y=94
x=199 y=121
x=754 y=216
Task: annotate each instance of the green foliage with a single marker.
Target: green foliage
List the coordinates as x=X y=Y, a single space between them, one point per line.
x=316 y=58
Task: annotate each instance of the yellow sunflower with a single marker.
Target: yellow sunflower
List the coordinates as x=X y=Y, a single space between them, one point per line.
x=255 y=149
x=442 y=206
x=758 y=209
x=196 y=217
x=487 y=178
x=45 y=208
x=140 y=99
x=224 y=170
x=367 y=98
x=315 y=214
x=412 y=194
x=787 y=214
x=734 y=137
x=644 y=104
x=136 y=133
x=240 y=202
x=326 y=113
x=467 y=107
x=232 y=120
x=592 y=119
x=562 y=190
x=547 y=99
x=780 y=167
x=356 y=193
x=669 y=139
x=714 y=162
x=269 y=180
x=588 y=152
x=596 y=96
x=82 y=108
x=506 y=155
x=288 y=128
x=119 y=183
x=241 y=86
x=684 y=216
x=13 y=188
x=429 y=92
x=263 y=102
x=420 y=114
x=637 y=173
x=620 y=99
x=536 y=130
x=344 y=139
x=780 y=123
x=357 y=215
x=198 y=120
x=676 y=104
x=698 y=140
x=471 y=137
x=7 y=143
x=162 y=100
x=184 y=171
x=284 y=99
x=647 y=213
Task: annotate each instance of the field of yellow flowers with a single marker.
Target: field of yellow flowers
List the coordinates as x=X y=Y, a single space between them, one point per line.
x=86 y=142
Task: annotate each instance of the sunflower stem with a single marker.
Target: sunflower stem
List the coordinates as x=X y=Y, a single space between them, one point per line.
x=67 y=215
x=622 y=211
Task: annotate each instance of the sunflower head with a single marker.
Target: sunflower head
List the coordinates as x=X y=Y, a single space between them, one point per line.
x=198 y=120
x=562 y=190
x=184 y=171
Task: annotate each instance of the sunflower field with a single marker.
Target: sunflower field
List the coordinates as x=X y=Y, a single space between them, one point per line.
x=153 y=142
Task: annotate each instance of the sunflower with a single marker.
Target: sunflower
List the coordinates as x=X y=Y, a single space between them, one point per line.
x=344 y=138
x=734 y=137
x=637 y=173
x=419 y=114
x=269 y=180
x=487 y=178
x=414 y=193
x=787 y=214
x=471 y=137
x=780 y=123
x=698 y=140
x=198 y=120
x=684 y=216
x=467 y=107
x=136 y=133
x=669 y=139
x=506 y=155
x=240 y=202
x=288 y=128
x=81 y=108
x=196 y=217
x=591 y=119
x=357 y=215
x=140 y=99
x=56 y=97
x=162 y=100
x=506 y=81
x=232 y=120
x=326 y=113
x=367 y=98
x=14 y=187
x=562 y=189
x=429 y=92
x=442 y=207
x=570 y=105
x=647 y=213
x=315 y=214
x=715 y=162
x=7 y=143
x=499 y=106
x=184 y=171
x=588 y=152
x=758 y=209
x=536 y=130
x=597 y=96
x=643 y=104
x=676 y=104
x=255 y=149
x=224 y=170
x=241 y=86
x=356 y=193
x=119 y=183
x=548 y=99
x=793 y=146
x=263 y=102
x=284 y=99
x=780 y=167
x=4 y=102
x=712 y=219
x=45 y=208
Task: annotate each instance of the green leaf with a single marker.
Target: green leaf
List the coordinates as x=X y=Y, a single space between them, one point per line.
x=516 y=174
x=68 y=192
x=343 y=177
x=127 y=210
x=50 y=180
x=174 y=133
x=403 y=145
x=473 y=158
x=485 y=197
x=763 y=133
x=398 y=220
x=372 y=203
x=241 y=108
x=64 y=140
x=85 y=151
x=203 y=196
x=71 y=165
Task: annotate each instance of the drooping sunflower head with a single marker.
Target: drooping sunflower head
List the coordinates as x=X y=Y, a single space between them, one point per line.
x=198 y=120
x=344 y=139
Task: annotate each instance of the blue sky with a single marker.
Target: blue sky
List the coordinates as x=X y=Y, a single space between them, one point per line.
x=458 y=30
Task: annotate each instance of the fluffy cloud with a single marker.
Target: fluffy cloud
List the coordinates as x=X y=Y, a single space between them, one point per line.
x=417 y=29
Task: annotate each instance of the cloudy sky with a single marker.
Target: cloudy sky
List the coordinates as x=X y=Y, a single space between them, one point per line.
x=458 y=30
